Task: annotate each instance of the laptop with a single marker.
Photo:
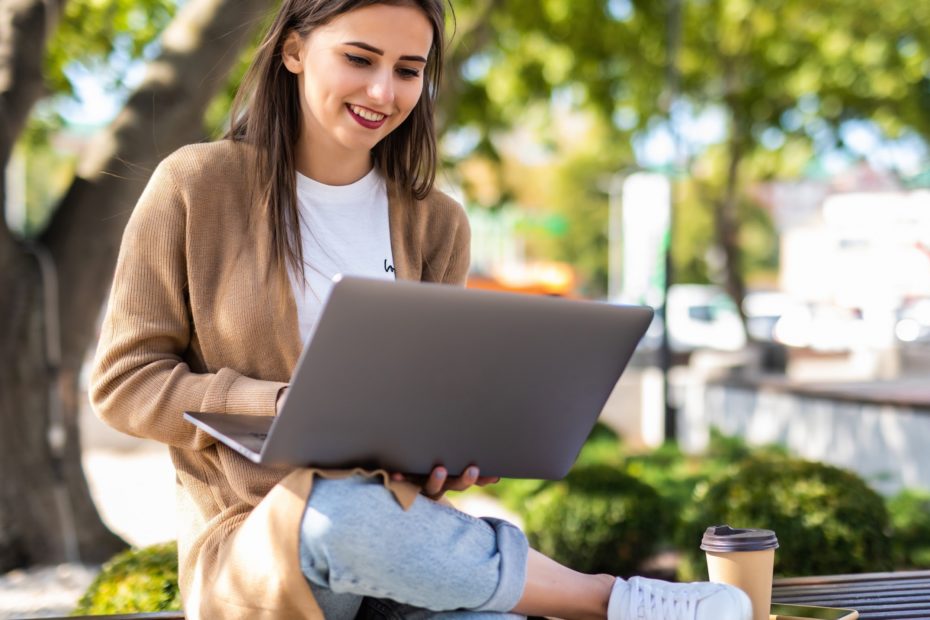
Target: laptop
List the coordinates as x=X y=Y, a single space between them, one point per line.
x=409 y=375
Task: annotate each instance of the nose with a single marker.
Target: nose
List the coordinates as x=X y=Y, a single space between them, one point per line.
x=381 y=88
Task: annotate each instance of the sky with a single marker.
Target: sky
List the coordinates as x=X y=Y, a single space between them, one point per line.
x=95 y=104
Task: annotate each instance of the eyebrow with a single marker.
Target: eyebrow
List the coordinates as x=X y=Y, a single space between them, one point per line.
x=375 y=50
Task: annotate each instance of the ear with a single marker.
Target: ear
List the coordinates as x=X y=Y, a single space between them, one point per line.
x=291 y=53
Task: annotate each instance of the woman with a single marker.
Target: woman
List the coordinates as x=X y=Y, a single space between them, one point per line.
x=328 y=168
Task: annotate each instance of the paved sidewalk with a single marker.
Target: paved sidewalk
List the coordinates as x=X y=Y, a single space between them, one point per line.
x=41 y=592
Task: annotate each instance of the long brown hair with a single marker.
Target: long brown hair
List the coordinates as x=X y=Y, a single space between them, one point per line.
x=266 y=115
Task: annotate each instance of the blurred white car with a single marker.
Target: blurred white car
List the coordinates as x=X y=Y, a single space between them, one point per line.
x=822 y=327
x=703 y=317
x=913 y=323
x=763 y=310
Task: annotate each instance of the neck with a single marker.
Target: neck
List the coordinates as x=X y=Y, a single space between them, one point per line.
x=330 y=168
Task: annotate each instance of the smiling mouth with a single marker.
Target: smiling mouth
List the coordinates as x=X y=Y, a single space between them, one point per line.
x=365 y=117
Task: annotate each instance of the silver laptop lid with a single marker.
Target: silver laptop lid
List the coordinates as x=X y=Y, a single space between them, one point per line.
x=408 y=375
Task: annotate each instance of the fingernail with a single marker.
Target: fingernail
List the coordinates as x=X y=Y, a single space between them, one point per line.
x=439 y=475
x=472 y=472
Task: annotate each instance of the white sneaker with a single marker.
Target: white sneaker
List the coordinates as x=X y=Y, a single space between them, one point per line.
x=651 y=599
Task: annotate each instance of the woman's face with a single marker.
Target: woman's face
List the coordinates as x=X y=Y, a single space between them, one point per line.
x=360 y=76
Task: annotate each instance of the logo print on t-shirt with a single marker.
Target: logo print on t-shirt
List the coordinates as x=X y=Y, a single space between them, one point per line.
x=388 y=268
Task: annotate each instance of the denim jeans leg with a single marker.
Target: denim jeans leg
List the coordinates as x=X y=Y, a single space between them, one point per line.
x=338 y=605
x=356 y=539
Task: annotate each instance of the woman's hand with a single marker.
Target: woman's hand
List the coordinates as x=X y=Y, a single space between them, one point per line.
x=438 y=482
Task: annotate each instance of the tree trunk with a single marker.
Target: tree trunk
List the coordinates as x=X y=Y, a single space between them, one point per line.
x=35 y=524
x=726 y=211
x=46 y=514
x=726 y=221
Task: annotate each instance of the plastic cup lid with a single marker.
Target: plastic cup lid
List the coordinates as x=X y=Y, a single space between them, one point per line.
x=723 y=538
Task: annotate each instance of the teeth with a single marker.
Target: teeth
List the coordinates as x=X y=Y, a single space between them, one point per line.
x=368 y=115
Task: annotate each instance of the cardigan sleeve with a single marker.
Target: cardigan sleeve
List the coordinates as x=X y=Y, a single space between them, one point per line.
x=140 y=383
x=456 y=271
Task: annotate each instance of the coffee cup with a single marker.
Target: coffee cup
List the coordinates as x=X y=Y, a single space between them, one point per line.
x=744 y=558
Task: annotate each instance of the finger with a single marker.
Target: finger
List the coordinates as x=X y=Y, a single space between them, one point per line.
x=486 y=480
x=468 y=478
x=436 y=481
x=397 y=477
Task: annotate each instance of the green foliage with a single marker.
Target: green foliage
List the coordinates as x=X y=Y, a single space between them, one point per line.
x=107 y=37
x=599 y=519
x=104 y=36
x=780 y=76
x=603 y=447
x=827 y=519
x=537 y=49
x=910 y=522
x=109 y=40
x=676 y=475
x=138 y=580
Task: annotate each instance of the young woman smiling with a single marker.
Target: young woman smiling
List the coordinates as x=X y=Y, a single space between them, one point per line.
x=328 y=168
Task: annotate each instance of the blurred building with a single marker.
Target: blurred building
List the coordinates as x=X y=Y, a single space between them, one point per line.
x=858 y=240
x=861 y=249
x=854 y=253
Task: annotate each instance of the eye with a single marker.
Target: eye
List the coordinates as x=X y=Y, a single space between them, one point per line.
x=359 y=61
x=408 y=73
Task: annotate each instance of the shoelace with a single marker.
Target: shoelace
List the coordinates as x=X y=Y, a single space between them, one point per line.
x=668 y=603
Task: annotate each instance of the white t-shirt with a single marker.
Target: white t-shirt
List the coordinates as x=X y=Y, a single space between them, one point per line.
x=344 y=230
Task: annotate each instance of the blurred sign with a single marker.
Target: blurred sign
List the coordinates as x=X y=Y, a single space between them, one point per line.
x=646 y=204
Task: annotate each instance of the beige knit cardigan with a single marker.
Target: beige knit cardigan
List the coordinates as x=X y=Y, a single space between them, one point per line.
x=193 y=325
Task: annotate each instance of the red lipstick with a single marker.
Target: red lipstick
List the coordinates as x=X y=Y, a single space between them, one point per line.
x=364 y=122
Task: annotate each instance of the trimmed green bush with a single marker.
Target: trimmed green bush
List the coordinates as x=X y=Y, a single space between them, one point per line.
x=827 y=519
x=598 y=520
x=137 y=580
x=675 y=475
x=910 y=522
x=602 y=447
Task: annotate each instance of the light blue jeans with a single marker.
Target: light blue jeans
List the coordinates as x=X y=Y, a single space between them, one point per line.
x=366 y=557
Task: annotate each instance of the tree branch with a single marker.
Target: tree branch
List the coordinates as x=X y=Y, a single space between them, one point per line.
x=199 y=48
x=25 y=26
